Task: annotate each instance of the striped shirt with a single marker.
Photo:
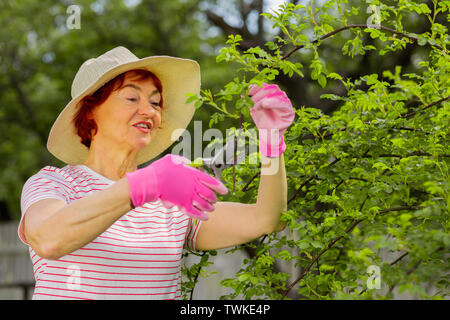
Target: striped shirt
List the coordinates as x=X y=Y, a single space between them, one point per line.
x=137 y=257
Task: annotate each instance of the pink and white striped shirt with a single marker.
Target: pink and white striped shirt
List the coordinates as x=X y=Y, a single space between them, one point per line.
x=137 y=257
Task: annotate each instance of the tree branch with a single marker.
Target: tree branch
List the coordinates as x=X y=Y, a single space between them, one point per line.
x=315 y=176
x=356 y=26
x=299 y=189
x=259 y=6
x=196 y=276
x=222 y=24
x=235 y=151
x=411 y=270
x=399 y=258
x=411 y=154
x=245 y=188
x=409 y=115
x=392 y=263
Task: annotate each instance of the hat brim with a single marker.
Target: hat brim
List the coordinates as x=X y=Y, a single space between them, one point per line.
x=178 y=78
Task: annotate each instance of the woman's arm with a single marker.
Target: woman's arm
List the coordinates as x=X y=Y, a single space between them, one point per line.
x=236 y=223
x=54 y=229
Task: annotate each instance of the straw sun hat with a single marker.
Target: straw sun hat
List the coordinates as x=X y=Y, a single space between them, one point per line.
x=178 y=77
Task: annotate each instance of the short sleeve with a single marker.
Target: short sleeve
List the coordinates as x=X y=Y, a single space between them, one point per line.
x=38 y=187
x=191 y=233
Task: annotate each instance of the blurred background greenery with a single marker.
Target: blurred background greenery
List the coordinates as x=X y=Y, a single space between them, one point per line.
x=39 y=56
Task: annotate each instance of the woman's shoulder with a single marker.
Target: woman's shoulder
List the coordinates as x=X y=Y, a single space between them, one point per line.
x=75 y=177
x=67 y=174
x=55 y=172
x=49 y=181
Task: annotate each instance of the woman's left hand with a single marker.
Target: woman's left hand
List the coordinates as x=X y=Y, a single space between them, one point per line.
x=273 y=114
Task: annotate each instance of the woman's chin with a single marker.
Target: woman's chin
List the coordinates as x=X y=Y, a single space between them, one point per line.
x=142 y=143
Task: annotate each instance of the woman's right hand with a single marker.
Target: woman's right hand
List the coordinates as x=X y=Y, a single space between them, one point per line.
x=174 y=183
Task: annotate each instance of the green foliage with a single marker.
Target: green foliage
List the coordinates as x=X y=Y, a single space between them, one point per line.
x=193 y=272
x=369 y=184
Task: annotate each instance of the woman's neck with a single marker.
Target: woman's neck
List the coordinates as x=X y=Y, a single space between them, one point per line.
x=110 y=163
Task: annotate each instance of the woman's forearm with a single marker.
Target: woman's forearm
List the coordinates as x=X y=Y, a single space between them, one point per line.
x=272 y=193
x=78 y=223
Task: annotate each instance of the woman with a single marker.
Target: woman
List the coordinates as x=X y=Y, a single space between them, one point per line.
x=100 y=228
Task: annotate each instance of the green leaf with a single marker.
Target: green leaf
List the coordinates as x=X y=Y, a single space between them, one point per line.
x=322 y=80
x=316 y=244
x=191 y=98
x=303 y=244
x=244 y=277
x=331 y=97
x=422 y=41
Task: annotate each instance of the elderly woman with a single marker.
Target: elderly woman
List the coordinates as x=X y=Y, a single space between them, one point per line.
x=100 y=228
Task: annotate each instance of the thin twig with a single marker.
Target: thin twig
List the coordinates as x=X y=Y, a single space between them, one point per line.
x=235 y=151
x=399 y=258
x=245 y=188
x=354 y=26
x=392 y=263
x=299 y=189
x=409 y=115
x=404 y=116
x=196 y=276
x=412 y=269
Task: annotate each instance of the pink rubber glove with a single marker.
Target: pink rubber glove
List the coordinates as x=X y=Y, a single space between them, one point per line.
x=273 y=114
x=175 y=183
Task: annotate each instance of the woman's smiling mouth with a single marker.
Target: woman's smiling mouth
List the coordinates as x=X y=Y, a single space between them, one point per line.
x=143 y=126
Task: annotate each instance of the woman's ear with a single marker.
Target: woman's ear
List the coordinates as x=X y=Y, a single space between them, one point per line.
x=91 y=124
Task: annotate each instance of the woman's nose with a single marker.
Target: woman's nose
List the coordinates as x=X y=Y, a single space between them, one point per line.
x=147 y=109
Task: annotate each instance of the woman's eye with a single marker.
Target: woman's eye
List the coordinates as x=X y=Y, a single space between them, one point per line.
x=132 y=99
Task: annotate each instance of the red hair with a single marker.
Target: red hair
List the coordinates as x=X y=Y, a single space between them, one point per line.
x=86 y=128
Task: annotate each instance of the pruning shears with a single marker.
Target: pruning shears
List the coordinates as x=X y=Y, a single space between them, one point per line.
x=225 y=157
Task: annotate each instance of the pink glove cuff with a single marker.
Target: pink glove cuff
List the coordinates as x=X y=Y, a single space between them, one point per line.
x=271 y=142
x=272 y=150
x=142 y=190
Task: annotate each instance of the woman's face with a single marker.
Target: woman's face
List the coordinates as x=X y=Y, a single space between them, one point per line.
x=130 y=116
